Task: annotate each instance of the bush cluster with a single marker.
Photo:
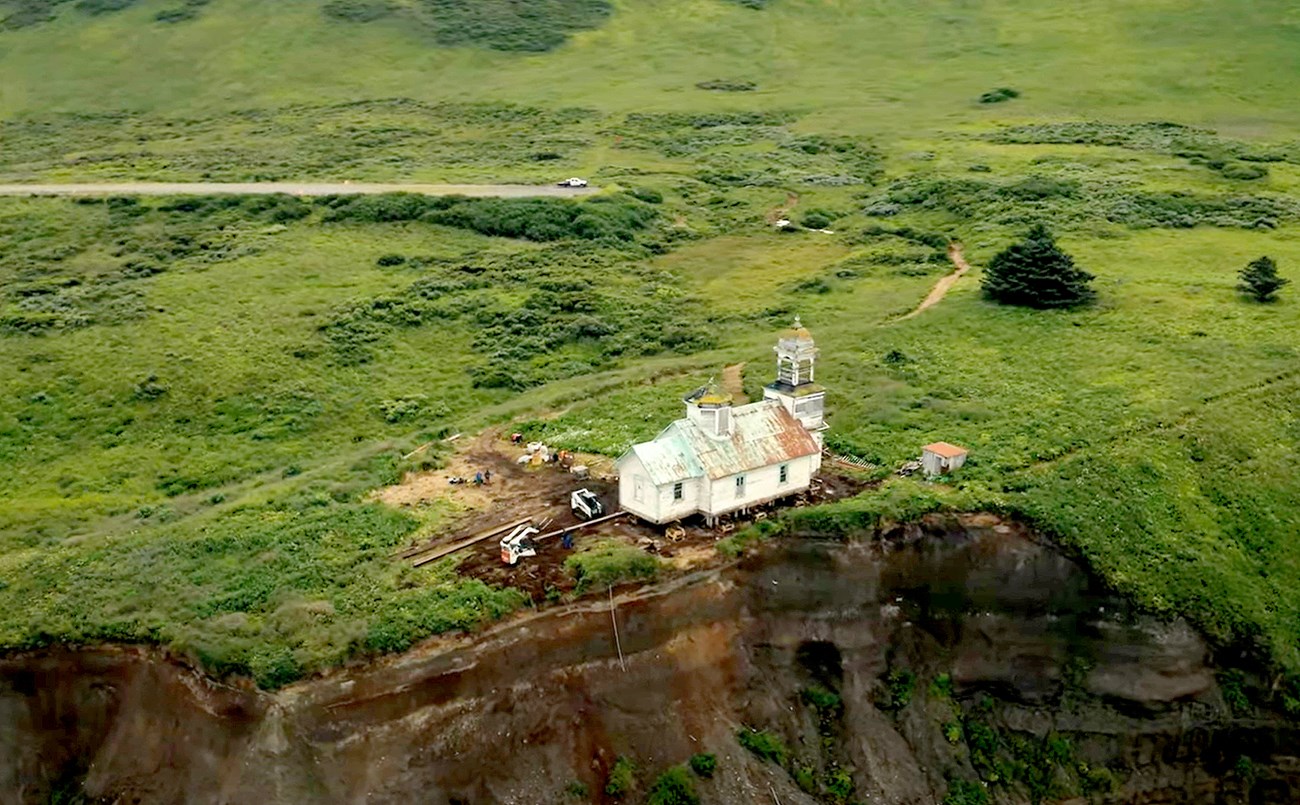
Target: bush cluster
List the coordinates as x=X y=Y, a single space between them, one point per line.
x=609 y=564
x=96 y=7
x=540 y=219
x=935 y=240
x=763 y=744
x=45 y=292
x=535 y=317
x=1035 y=199
x=704 y=764
x=673 y=787
x=512 y=25
x=296 y=141
x=727 y=85
x=188 y=10
x=999 y=95
x=1234 y=159
x=622 y=776
x=358 y=10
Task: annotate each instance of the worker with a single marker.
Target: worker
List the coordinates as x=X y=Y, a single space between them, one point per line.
x=516 y=438
x=478 y=478
x=487 y=476
x=567 y=540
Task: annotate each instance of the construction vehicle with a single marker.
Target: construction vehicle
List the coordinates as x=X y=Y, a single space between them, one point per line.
x=518 y=544
x=586 y=505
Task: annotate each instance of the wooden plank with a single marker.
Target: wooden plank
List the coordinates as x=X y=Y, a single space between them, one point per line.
x=413 y=553
x=583 y=524
x=434 y=545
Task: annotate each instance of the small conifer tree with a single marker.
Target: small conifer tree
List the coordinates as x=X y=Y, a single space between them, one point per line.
x=1036 y=273
x=1260 y=281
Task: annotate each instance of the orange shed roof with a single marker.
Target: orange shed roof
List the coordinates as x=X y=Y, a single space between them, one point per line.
x=946 y=450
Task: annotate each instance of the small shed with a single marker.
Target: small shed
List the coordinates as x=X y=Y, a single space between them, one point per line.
x=942 y=458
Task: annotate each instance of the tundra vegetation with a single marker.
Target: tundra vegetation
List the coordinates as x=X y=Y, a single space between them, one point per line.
x=201 y=393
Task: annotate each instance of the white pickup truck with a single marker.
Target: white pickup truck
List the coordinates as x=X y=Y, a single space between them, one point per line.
x=573 y=182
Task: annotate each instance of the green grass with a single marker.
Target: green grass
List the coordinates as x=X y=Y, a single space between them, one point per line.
x=199 y=401
x=611 y=562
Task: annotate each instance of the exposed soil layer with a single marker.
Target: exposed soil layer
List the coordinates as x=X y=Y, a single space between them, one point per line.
x=528 y=710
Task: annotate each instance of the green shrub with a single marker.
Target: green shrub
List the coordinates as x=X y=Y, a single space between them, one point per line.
x=622 y=776
x=941 y=687
x=1096 y=780
x=964 y=792
x=838 y=784
x=612 y=219
x=816 y=219
x=763 y=744
x=899 y=685
x=1233 y=685
x=704 y=764
x=183 y=13
x=1244 y=170
x=96 y=7
x=611 y=563
x=725 y=85
x=149 y=389
x=387 y=260
x=512 y=25
x=999 y=95
x=673 y=787
x=577 y=790
x=805 y=777
x=934 y=240
x=822 y=700
x=647 y=194
x=358 y=10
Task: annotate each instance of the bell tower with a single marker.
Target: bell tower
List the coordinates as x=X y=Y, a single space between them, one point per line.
x=796 y=365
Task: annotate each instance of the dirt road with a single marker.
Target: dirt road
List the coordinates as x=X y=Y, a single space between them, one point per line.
x=941 y=288
x=291 y=188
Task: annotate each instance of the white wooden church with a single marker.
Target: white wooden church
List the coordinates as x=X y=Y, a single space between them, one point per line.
x=722 y=458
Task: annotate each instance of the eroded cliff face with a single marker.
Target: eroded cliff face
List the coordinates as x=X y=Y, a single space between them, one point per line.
x=952 y=650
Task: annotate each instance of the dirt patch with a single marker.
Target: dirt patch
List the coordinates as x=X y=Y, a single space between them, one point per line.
x=783 y=212
x=540 y=492
x=733 y=380
x=941 y=288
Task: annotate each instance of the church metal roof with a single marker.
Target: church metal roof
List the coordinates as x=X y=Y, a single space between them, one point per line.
x=762 y=434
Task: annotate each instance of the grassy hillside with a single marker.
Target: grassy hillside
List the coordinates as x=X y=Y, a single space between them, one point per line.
x=201 y=393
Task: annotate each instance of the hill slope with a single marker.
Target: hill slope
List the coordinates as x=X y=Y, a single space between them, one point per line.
x=202 y=394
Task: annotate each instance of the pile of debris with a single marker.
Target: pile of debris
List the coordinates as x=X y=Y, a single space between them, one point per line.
x=539 y=453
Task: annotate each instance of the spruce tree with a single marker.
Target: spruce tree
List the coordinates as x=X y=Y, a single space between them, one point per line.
x=1259 y=280
x=1036 y=273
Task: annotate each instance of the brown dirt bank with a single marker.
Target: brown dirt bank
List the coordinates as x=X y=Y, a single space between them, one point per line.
x=1030 y=647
